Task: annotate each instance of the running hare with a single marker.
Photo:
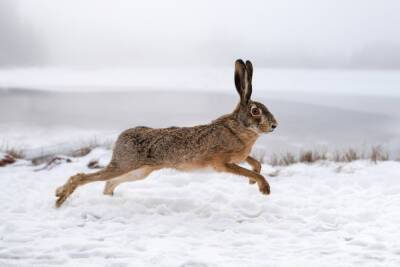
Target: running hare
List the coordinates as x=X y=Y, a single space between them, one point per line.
x=221 y=145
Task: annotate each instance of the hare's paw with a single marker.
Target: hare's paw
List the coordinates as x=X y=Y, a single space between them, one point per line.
x=60 y=200
x=60 y=191
x=63 y=192
x=109 y=189
x=264 y=188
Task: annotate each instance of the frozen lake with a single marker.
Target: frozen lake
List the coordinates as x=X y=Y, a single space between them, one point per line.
x=315 y=109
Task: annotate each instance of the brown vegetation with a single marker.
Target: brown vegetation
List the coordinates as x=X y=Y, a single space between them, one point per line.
x=6 y=160
x=312 y=156
x=80 y=152
x=376 y=154
x=55 y=161
x=12 y=151
x=94 y=164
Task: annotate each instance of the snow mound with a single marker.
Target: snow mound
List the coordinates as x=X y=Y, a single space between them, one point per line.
x=324 y=214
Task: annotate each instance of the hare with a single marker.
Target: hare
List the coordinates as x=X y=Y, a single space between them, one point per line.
x=221 y=145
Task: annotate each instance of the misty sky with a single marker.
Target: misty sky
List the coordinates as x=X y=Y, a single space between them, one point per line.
x=285 y=33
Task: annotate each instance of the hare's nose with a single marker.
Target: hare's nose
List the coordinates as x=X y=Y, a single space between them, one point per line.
x=274 y=125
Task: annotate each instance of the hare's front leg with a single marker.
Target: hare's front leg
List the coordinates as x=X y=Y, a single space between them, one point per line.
x=256 y=177
x=255 y=165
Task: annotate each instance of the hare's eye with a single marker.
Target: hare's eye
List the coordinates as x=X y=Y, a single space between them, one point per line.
x=255 y=111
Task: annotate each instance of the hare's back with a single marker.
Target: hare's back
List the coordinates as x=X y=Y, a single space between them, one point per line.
x=153 y=145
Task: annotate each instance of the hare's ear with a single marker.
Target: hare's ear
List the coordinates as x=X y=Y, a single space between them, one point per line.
x=242 y=84
x=249 y=68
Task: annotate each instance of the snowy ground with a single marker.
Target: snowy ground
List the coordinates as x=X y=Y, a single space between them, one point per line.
x=326 y=214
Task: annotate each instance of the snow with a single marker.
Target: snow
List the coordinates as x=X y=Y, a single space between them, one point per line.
x=325 y=214
x=45 y=123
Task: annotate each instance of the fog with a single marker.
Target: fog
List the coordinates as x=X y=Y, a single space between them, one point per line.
x=99 y=33
x=328 y=70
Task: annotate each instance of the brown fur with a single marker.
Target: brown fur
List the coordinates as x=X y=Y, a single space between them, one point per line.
x=221 y=145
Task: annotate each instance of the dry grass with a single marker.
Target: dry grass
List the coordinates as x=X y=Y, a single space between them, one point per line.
x=260 y=155
x=15 y=153
x=288 y=159
x=94 y=164
x=6 y=160
x=348 y=155
x=376 y=154
x=274 y=160
x=81 y=152
x=88 y=147
x=312 y=156
x=11 y=155
x=283 y=160
x=84 y=150
x=49 y=158
x=12 y=151
x=55 y=161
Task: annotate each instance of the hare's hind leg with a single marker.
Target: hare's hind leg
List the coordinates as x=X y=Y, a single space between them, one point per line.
x=63 y=192
x=137 y=174
x=255 y=165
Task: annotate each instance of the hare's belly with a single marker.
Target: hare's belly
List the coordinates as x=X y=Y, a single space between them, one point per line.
x=209 y=161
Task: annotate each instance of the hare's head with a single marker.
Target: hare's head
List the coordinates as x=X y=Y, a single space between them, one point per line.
x=251 y=114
